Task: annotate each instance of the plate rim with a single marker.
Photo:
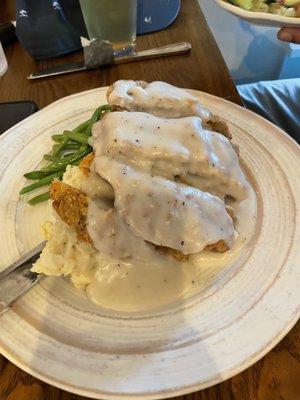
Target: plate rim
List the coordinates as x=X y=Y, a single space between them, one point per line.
x=155 y=395
x=187 y=389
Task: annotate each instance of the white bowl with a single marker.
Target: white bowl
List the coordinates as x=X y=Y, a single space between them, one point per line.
x=260 y=18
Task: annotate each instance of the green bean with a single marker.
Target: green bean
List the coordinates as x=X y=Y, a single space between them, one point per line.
x=79 y=129
x=57 y=149
x=42 y=182
x=64 y=157
x=84 y=147
x=35 y=175
x=95 y=117
x=78 y=137
x=51 y=158
x=57 y=138
x=104 y=109
x=58 y=166
x=62 y=154
x=82 y=127
x=39 y=199
x=72 y=146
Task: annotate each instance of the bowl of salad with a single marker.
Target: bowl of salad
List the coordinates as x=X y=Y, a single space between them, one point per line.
x=275 y=13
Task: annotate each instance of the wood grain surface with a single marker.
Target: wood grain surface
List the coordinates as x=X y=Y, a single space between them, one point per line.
x=277 y=376
x=203 y=69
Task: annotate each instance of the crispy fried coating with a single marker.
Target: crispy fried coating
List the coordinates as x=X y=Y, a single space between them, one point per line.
x=178 y=255
x=219 y=247
x=71 y=205
x=216 y=124
x=86 y=163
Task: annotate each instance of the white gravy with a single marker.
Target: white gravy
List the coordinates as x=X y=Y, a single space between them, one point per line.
x=177 y=149
x=157 y=98
x=128 y=286
x=150 y=208
x=138 y=166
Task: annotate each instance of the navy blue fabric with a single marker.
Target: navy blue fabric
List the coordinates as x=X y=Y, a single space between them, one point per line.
x=43 y=29
x=278 y=101
x=50 y=28
x=154 y=15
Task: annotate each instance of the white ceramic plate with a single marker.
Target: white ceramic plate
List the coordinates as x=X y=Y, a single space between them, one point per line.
x=236 y=316
x=259 y=18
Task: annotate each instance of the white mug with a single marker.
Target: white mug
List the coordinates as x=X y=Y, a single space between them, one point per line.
x=3 y=62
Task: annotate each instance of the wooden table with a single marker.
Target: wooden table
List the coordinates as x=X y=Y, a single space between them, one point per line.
x=277 y=376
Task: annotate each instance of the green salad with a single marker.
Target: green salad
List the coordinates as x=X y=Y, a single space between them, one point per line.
x=289 y=8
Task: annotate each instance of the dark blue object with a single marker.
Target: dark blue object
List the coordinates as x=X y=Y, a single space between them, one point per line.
x=50 y=28
x=154 y=15
x=44 y=29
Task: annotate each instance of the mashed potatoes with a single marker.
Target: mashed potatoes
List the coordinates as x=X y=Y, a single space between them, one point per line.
x=64 y=254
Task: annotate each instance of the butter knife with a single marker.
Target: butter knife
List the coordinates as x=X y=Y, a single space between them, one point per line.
x=17 y=279
x=163 y=51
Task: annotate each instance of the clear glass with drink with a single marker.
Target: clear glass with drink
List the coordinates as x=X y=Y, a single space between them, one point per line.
x=113 y=21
